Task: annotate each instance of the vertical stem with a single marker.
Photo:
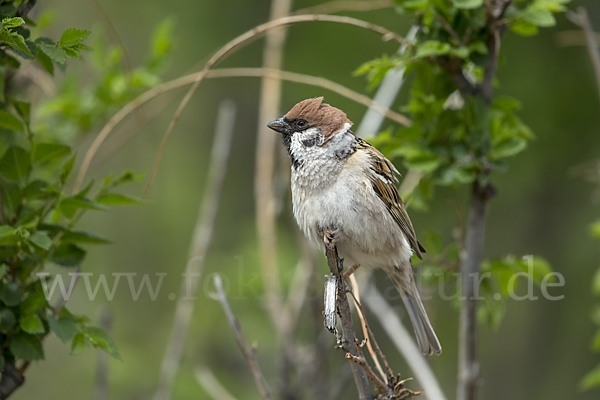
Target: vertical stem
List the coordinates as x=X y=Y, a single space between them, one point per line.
x=265 y=162
x=336 y=268
x=468 y=362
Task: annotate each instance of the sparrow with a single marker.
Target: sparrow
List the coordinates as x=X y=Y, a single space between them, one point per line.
x=343 y=184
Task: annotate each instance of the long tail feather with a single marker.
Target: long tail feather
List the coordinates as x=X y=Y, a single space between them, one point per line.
x=426 y=338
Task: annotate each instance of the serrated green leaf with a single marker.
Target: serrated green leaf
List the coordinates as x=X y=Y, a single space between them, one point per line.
x=65 y=328
x=12 y=22
x=114 y=199
x=100 y=340
x=82 y=237
x=15 y=164
x=73 y=36
x=79 y=344
x=55 y=53
x=31 y=323
x=41 y=239
x=71 y=53
x=45 y=62
x=11 y=294
x=21 y=45
x=7 y=320
x=9 y=121
x=467 y=4
x=68 y=255
x=27 y=347
x=50 y=151
x=34 y=303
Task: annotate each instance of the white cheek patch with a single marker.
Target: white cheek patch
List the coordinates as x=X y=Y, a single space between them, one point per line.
x=306 y=144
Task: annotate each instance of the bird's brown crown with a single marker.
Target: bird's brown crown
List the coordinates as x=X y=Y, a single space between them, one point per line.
x=319 y=115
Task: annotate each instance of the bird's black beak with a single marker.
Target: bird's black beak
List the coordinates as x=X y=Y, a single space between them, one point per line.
x=280 y=126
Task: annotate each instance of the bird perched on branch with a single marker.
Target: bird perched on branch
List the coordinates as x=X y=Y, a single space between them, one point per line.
x=343 y=184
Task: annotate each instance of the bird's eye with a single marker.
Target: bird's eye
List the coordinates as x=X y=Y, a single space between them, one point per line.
x=301 y=123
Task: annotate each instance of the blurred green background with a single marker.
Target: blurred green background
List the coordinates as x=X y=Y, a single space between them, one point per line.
x=540 y=351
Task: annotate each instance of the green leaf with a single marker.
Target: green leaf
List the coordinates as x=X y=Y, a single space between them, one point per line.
x=9 y=121
x=3 y=270
x=27 y=347
x=508 y=147
x=467 y=4
x=15 y=164
x=432 y=48
x=45 y=62
x=538 y=16
x=12 y=22
x=73 y=36
x=35 y=189
x=523 y=28
x=22 y=45
x=71 y=53
x=7 y=320
x=55 y=53
x=418 y=158
x=83 y=237
x=68 y=255
x=67 y=168
x=79 y=344
x=34 y=303
x=70 y=205
x=11 y=294
x=50 y=151
x=41 y=239
x=114 y=199
x=65 y=328
x=31 y=323
x=23 y=109
x=100 y=340
x=414 y=5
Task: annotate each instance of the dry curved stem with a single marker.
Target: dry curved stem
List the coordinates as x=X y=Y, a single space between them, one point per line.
x=332 y=7
x=226 y=73
x=244 y=38
x=368 y=333
x=249 y=355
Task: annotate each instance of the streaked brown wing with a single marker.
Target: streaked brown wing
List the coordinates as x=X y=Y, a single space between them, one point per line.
x=383 y=183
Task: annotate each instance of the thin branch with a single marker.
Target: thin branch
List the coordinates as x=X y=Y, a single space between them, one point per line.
x=332 y=7
x=403 y=341
x=244 y=38
x=270 y=99
x=226 y=73
x=591 y=40
x=349 y=341
x=199 y=245
x=367 y=333
x=249 y=355
x=211 y=384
